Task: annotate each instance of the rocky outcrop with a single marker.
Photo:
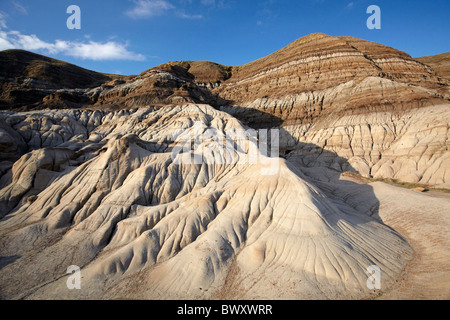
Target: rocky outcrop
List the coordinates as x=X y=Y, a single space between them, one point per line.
x=411 y=147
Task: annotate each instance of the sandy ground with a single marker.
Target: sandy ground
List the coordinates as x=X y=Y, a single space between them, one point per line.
x=424 y=220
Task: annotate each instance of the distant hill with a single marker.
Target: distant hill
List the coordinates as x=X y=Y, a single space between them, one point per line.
x=440 y=63
x=20 y=65
x=25 y=77
x=310 y=64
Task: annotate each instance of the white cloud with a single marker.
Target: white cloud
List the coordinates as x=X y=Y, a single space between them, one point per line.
x=189 y=16
x=19 y=7
x=96 y=51
x=213 y=3
x=149 y=8
x=4 y=43
x=28 y=42
x=91 y=50
x=2 y=20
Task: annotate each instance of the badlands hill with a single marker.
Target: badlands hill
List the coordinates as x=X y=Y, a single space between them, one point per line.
x=440 y=63
x=29 y=80
x=92 y=174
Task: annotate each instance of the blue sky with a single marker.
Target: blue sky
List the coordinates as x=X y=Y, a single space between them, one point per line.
x=130 y=36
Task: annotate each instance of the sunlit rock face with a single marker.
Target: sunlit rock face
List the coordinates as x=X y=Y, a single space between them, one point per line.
x=109 y=195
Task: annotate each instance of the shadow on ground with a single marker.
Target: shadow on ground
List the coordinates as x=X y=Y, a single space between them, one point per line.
x=324 y=168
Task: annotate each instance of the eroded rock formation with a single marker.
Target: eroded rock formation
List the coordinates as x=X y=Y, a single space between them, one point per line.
x=110 y=196
x=96 y=173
